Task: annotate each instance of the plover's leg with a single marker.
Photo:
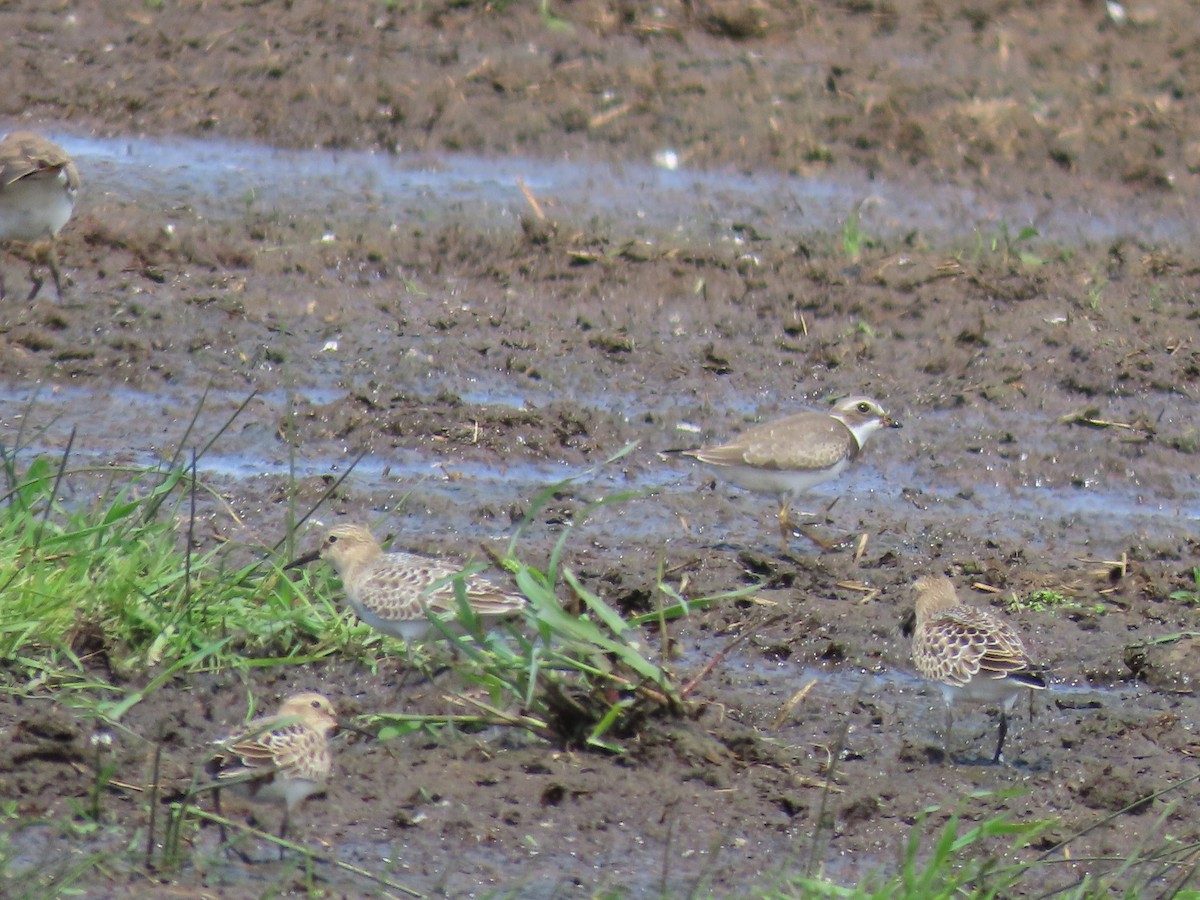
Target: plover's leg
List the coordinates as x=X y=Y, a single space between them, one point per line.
x=55 y=272
x=785 y=525
x=37 y=282
x=1003 y=732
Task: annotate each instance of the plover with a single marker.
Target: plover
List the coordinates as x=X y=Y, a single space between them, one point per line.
x=973 y=655
x=38 y=188
x=281 y=759
x=792 y=455
x=396 y=592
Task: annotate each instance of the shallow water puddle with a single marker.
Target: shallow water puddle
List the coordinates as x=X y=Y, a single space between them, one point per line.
x=955 y=494
x=220 y=177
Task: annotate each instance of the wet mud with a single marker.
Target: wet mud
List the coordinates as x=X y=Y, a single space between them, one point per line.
x=317 y=214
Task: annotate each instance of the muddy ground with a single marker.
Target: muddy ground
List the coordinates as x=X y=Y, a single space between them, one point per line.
x=485 y=360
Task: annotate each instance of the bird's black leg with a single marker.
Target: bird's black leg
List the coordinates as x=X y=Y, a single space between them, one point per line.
x=241 y=854
x=1003 y=732
x=55 y=272
x=283 y=830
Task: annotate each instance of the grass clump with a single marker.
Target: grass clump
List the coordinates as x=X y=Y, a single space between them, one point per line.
x=964 y=862
x=98 y=586
x=581 y=674
x=109 y=579
x=1048 y=600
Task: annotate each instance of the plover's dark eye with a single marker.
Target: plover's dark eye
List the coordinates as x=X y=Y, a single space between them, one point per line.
x=332 y=539
x=316 y=704
x=864 y=407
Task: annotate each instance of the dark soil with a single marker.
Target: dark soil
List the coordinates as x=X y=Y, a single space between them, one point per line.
x=1049 y=441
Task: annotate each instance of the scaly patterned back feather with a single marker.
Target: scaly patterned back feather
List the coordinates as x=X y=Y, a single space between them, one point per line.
x=954 y=642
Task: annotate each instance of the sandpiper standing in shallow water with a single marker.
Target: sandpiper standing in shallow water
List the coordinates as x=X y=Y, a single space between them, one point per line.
x=973 y=655
x=792 y=455
x=38 y=188
x=283 y=758
x=396 y=592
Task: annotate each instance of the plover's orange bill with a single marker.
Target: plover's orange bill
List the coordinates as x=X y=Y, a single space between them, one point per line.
x=397 y=592
x=791 y=456
x=281 y=759
x=38 y=188
x=972 y=654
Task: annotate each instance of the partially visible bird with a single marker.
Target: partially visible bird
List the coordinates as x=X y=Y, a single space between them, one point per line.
x=397 y=592
x=38 y=188
x=281 y=759
x=973 y=655
x=790 y=456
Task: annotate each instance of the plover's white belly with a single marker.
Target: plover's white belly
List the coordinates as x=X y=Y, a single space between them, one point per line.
x=790 y=482
x=35 y=207
x=984 y=689
x=289 y=791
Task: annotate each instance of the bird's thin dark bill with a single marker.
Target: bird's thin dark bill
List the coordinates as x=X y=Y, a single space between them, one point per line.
x=303 y=560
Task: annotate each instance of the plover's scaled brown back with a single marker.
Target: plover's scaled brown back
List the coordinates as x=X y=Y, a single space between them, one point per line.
x=792 y=455
x=972 y=654
x=396 y=592
x=39 y=185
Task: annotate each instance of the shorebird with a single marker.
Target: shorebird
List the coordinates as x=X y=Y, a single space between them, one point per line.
x=38 y=188
x=281 y=759
x=397 y=592
x=790 y=456
x=973 y=655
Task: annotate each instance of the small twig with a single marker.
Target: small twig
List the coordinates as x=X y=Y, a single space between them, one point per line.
x=531 y=200
x=869 y=593
x=716 y=660
x=1091 y=418
x=1108 y=566
x=786 y=709
x=656 y=696
x=861 y=548
x=483 y=66
x=807 y=781
x=609 y=115
x=681 y=567
x=535 y=725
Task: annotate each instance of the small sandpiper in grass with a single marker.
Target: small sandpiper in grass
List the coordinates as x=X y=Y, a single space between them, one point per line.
x=790 y=456
x=38 y=188
x=280 y=759
x=396 y=592
x=974 y=656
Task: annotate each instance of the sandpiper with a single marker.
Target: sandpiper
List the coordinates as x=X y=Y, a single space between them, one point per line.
x=792 y=455
x=38 y=188
x=973 y=655
x=283 y=758
x=397 y=592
